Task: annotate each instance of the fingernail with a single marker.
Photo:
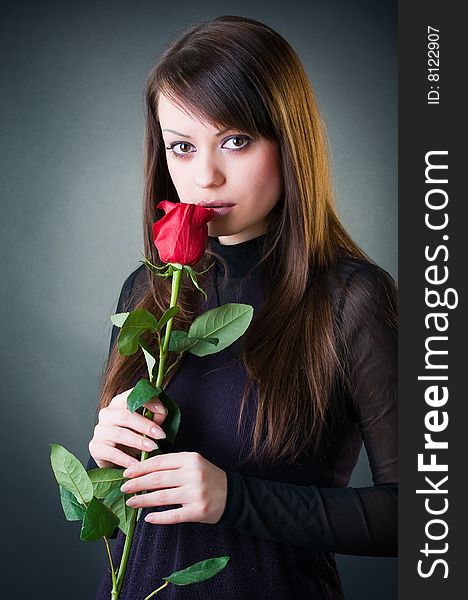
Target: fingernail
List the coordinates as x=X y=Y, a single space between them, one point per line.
x=157 y=433
x=149 y=444
x=160 y=408
x=128 y=471
x=131 y=501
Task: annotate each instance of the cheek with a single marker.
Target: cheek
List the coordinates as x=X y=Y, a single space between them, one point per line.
x=177 y=175
x=265 y=177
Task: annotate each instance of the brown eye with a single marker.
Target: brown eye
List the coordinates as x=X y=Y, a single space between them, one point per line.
x=238 y=142
x=183 y=148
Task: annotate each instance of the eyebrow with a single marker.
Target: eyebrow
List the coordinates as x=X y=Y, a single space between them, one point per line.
x=190 y=137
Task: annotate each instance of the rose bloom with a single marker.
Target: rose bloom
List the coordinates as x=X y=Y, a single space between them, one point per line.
x=180 y=236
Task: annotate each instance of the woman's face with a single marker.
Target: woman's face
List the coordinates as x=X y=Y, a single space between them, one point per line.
x=223 y=166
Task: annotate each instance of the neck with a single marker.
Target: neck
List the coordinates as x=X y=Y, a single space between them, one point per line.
x=245 y=236
x=240 y=257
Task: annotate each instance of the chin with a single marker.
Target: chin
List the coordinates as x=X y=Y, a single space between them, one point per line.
x=216 y=229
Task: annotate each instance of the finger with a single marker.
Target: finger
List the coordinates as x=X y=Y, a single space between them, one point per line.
x=157 y=407
x=120 y=399
x=135 y=421
x=130 y=451
x=154 y=405
x=158 y=418
x=152 y=481
x=171 y=516
x=113 y=455
x=162 y=462
x=165 y=497
x=127 y=437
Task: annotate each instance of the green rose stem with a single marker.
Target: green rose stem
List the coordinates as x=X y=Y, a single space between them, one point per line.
x=114 y=582
x=158 y=590
x=176 y=277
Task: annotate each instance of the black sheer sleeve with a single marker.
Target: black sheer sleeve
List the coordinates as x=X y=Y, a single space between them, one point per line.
x=359 y=521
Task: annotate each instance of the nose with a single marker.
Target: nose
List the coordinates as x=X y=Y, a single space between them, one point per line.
x=208 y=171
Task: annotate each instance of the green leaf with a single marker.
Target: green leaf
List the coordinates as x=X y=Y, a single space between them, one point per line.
x=150 y=265
x=142 y=393
x=119 y=318
x=171 y=423
x=169 y=314
x=115 y=501
x=176 y=337
x=136 y=324
x=149 y=357
x=73 y=510
x=185 y=345
x=98 y=521
x=179 y=341
x=207 y=269
x=193 y=277
x=227 y=323
x=105 y=480
x=70 y=473
x=200 y=571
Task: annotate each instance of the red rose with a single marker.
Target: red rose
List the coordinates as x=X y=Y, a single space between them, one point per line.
x=180 y=236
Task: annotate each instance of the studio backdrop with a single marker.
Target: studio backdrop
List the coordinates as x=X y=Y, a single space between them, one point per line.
x=71 y=167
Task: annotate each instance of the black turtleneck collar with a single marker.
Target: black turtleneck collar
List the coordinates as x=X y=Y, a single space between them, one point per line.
x=240 y=258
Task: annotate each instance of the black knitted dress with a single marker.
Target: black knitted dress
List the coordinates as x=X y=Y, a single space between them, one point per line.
x=282 y=525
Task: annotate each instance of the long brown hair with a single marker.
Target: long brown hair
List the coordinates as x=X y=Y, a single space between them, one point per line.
x=239 y=73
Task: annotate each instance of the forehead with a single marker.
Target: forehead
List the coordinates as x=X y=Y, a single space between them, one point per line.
x=172 y=113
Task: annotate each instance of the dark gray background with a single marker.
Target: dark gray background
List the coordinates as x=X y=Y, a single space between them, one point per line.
x=71 y=186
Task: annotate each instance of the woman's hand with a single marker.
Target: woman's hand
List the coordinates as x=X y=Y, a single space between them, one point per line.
x=117 y=439
x=179 y=478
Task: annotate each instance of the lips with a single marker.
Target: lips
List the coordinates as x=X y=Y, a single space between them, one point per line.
x=219 y=208
x=222 y=210
x=214 y=204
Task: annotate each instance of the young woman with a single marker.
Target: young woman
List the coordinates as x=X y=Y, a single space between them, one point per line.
x=272 y=426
